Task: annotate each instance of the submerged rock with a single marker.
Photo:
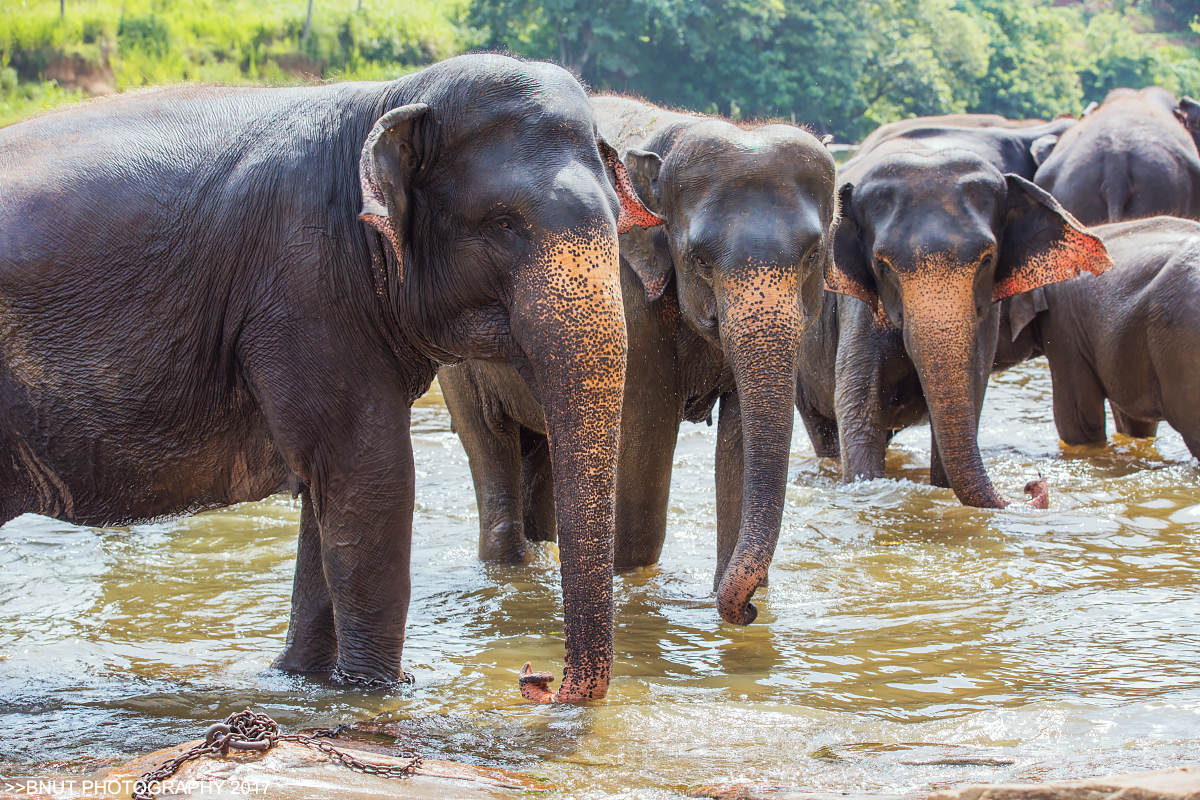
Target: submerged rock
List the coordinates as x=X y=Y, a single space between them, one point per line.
x=1168 y=784
x=291 y=771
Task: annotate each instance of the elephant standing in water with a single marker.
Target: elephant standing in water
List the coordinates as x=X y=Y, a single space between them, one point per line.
x=1130 y=335
x=713 y=307
x=929 y=241
x=196 y=313
x=1134 y=156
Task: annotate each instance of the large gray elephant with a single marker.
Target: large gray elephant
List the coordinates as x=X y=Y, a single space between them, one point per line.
x=209 y=295
x=1130 y=336
x=1134 y=156
x=713 y=307
x=928 y=242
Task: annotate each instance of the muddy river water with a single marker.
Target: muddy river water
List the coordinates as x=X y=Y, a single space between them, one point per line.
x=904 y=643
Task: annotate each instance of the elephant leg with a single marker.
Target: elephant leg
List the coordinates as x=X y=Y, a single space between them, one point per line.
x=1137 y=428
x=937 y=470
x=311 y=639
x=360 y=478
x=822 y=432
x=644 y=463
x=494 y=453
x=537 y=487
x=862 y=434
x=366 y=547
x=730 y=481
x=1078 y=405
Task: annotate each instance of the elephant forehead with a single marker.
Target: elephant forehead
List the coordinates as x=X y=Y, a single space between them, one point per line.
x=714 y=169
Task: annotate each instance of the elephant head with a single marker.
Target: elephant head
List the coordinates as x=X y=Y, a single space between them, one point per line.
x=497 y=209
x=747 y=237
x=933 y=241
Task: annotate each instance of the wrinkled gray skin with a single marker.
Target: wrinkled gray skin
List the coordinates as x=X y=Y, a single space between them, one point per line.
x=713 y=307
x=1011 y=149
x=1130 y=336
x=900 y=127
x=1134 y=156
x=928 y=240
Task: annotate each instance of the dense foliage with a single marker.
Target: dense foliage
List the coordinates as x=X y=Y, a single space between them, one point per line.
x=843 y=66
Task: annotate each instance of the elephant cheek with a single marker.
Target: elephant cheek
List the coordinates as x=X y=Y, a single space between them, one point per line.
x=567 y=316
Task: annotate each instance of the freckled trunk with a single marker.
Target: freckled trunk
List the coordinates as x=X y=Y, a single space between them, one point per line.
x=570 y=322
x=943 y=345
x=760 y=333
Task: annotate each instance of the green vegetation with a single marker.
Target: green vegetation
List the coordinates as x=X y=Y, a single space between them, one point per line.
x=130 y=43
x=843 y=66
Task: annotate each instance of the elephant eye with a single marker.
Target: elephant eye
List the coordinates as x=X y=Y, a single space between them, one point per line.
x=505 y=224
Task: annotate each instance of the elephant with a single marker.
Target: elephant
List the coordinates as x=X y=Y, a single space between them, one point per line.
x=927 y=244
x=713 y=304
x=1130 y=335
x=892 y=130
x=1010 y=149
x=1134 y=156
x=212 y=294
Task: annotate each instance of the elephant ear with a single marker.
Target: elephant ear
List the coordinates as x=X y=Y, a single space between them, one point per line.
x=1024 y=307
x=848 y=272
x=644 y=168
x=1188 y=113
x=643 y=240
x=633 y=210
x=1042 y=243
x=1042 y=147
x=385 y=169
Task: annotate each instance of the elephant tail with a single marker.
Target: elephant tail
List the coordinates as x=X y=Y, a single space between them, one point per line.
x=1116 y=186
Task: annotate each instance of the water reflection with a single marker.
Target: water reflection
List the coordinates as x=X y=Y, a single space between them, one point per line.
x=905 y=642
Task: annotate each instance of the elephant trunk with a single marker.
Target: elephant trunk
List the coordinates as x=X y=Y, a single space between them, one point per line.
x=568 y=318
x=760 y=325
x=945 y=346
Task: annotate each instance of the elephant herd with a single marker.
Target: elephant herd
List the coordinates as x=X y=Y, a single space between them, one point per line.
x=209 y=295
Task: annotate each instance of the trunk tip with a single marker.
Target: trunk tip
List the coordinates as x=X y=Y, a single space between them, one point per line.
x=535 y=685
x=739 y=616
x=1039 y=493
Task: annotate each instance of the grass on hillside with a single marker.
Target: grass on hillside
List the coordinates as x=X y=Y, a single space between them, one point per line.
x=148 y=42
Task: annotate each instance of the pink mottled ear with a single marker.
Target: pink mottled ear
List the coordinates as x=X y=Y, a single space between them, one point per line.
x=385 y=166
x=1042 y=243
x=848 y=271
x=633 y=210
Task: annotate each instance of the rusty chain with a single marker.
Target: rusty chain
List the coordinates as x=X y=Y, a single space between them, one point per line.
x=251 y=730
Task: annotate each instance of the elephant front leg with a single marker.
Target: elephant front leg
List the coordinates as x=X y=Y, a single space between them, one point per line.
x=937 y=470
x=311 y=639
x=858 y=400
x=494 y=453
x=365 y=515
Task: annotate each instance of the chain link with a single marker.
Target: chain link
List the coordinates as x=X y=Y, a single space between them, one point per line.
x=251 y=730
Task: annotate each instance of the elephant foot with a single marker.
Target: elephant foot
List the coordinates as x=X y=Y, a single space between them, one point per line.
x=1039 y=493
x=306 y=662
x=372 y=682
x=535 y=685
